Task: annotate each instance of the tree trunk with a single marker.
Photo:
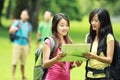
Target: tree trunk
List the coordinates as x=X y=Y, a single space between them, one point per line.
x=1 y=7
x=20 y=5
x=34 y=13
x=33 y=6
x=8 y=10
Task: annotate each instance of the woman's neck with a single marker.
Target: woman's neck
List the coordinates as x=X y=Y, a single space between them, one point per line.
x=96 y=32
x=61 y=39
x=96 y=37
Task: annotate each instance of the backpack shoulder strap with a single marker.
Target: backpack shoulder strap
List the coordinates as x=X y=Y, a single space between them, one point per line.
x=52 y=50
x=18 y=24
x=89 y=40
x=52 y=46
x=100 y=48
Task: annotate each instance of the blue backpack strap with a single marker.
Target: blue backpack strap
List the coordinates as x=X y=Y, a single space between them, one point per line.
x=18 y=24
x=89 y=41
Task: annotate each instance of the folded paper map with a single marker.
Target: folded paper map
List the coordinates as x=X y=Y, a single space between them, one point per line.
x=74 y=52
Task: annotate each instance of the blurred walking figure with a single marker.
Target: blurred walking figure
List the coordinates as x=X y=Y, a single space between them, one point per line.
x=44 y=28
x=21 y=28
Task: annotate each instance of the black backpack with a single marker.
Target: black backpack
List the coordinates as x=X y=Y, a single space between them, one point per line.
x=114 y=69
x=12 y=37
x=115 y=65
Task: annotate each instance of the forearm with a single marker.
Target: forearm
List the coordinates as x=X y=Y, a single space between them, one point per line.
x=109 y=54
x=50 y=62
x=46 y=54
x=38 y=36
x=103 y=59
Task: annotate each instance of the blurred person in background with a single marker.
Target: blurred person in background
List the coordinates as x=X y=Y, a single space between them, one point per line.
x=44 y=28
x=21 y=28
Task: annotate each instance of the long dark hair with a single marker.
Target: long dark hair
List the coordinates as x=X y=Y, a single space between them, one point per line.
x=55 y=22
x=105 y=23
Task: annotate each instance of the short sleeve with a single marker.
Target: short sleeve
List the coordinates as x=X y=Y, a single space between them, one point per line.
x=110 y=37
x=47 y=41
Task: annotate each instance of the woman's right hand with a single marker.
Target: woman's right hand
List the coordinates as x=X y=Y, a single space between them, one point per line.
x=60 y=55
x=12 y=29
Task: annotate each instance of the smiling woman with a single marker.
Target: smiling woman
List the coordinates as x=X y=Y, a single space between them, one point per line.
x=58 y=70
x=60 y=28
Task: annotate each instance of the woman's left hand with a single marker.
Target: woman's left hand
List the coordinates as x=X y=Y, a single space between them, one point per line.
x=76 y=64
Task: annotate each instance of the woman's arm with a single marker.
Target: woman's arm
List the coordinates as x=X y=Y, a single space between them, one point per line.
x=37 y=39
x=29 y=39
x=108 y=58
x=46 y=53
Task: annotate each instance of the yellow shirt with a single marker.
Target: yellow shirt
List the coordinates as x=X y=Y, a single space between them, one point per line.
x=93 y=63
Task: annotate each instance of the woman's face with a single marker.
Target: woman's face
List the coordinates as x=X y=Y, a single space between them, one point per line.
x=95 y=22
x=62 y=27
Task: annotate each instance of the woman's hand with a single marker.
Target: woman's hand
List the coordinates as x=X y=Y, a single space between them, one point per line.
x=89 y=56
x=76 y=64
x=60 y=56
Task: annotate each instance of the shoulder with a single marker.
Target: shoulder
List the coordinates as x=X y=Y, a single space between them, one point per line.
x=15 y=22
x=41 y=23
x=47 y=41
x=40 y=26
x=110 y=37
x=50 y=41
x=29 y=24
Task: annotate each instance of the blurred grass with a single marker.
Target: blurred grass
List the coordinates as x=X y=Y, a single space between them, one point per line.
x=78 y=30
